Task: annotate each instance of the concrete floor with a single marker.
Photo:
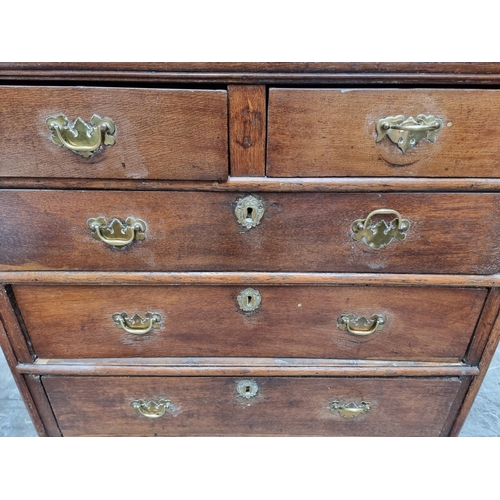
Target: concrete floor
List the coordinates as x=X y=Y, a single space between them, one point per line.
x=483 y=419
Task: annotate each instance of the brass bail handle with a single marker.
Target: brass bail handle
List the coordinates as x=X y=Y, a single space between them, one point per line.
x=350 y=409
x=121 y=320
x=80 y=147
x=412 y=127
x=383 y=211
x=119 y=234
x=116 y=242
x=153 y=409
x=81 y=137
x=380 y=235
x=406 y=133
x=345 y=320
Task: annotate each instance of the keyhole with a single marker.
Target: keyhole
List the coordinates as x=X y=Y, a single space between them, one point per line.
x=250 y=300
x=247 y=388
x=249 y=213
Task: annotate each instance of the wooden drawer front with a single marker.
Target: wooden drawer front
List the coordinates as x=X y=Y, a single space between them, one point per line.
x=310 y=232
x=160 y=134
x=323 y=133
x=281 y=406
x=295 y=321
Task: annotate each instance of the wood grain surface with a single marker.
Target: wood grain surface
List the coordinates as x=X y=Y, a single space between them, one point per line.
x=76 y=322
x=332 y=132
x=101 y=406
x=160 y=133
x=247 y=129
x=311 y=232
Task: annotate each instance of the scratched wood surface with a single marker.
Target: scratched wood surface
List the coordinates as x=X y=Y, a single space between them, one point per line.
x=160 y=133
x=291 y=321
x=319 y=132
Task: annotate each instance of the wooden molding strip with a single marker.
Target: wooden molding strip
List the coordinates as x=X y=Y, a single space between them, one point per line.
x=276 y=78
x=456 y=68
x=250 y=278
x=177 y=367
x=268 y=184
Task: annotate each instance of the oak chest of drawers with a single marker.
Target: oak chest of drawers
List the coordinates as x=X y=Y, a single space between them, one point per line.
x=249 y=249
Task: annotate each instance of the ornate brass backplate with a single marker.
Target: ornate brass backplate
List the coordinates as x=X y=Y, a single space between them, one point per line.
x=137 y=325
x=380 y=235
x=151 y=408
x=249 y=300
x=406 y=133
x=80 y=137
x=361 y=325
x=117 y=233
x=249 y=211
x=247 y=388
x=350 y=409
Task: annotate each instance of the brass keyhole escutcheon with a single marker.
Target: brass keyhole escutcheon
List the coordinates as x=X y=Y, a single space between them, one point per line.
x=249 y=211
x=249 y=300
x=247 y=388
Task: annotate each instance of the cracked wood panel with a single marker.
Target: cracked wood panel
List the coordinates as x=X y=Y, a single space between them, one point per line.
x=332 y=132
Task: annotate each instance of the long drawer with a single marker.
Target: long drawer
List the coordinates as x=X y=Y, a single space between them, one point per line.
x=392 y=323
x=383 y=132
x=138 y=133
x=199 y=231
x=205 y=406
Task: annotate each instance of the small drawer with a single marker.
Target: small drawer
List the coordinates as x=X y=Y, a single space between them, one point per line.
x=226 y=406
x=383 y=132
x=344 y=322
x=138 y=133
x=455 y=233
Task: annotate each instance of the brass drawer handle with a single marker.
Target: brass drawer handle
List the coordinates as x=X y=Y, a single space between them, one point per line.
x=407 y=133
x=80 y=137
x=117 y=233
x=137 y=325
x=357 y=326
x=153 y=409
x=350 y=409
x=380 y=235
